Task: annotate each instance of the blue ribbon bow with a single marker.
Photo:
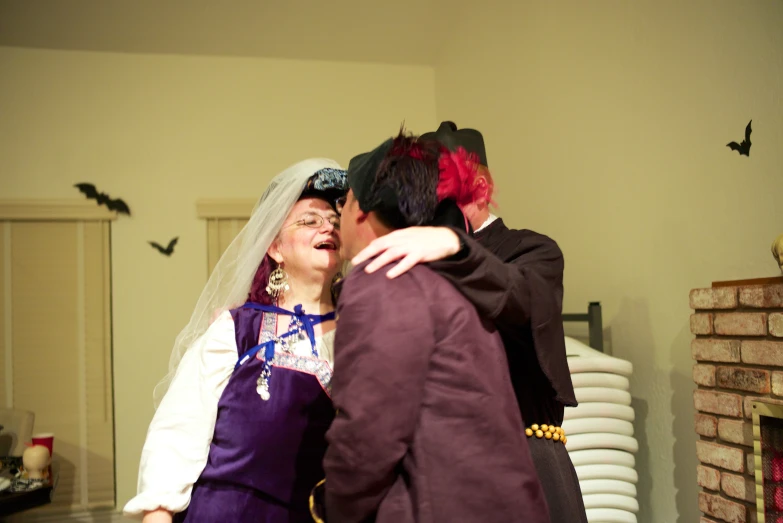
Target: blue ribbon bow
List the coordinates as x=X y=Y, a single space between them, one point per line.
x=308 y=321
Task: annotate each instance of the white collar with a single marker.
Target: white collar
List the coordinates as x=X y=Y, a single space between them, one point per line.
x=486 y=223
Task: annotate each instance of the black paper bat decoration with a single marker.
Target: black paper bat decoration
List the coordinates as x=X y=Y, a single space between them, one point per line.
x=165 y=250
x=102 y=198
x=744 y=147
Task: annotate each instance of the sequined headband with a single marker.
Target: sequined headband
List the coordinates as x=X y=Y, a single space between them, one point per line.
x=327 y=179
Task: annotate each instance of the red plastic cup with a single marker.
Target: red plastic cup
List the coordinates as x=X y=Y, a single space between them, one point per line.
x=45 y=439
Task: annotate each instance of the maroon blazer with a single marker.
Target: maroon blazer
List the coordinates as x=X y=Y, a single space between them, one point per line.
x=427 y=426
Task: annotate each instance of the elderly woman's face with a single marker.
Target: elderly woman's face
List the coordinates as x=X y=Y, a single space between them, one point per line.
x=309 y=241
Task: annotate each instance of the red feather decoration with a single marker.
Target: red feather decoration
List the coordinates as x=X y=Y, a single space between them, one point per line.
x=459 y=177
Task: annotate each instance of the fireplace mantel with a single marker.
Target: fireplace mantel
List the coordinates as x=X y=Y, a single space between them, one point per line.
x=775 y=280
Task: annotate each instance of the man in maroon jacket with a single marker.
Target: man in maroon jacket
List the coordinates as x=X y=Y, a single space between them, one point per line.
x=427 y=425
x=515 y=279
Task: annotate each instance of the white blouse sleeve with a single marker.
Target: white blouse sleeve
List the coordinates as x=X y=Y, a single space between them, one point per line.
x=180 y=433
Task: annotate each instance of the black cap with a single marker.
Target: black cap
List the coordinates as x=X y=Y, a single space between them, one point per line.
x=451 y=138
x=361 y=175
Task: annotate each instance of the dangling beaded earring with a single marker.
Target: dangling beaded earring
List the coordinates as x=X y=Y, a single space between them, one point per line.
x=278 y=282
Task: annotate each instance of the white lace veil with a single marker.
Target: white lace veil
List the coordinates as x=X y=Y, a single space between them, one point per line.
x=230 y=281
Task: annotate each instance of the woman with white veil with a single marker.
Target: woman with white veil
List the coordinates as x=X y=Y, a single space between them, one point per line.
x=239 y=434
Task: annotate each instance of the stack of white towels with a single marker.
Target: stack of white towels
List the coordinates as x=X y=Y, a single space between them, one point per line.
x=600 y=434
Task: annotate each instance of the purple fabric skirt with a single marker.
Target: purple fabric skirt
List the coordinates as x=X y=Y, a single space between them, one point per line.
x=225 y=502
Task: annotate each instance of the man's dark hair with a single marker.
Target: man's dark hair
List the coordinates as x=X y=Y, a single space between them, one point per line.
x=408 y=173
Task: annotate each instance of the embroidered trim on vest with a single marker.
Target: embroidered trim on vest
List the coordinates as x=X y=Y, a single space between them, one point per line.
x=320 y=369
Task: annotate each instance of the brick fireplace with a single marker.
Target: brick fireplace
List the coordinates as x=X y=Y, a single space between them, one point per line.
x=738 y=353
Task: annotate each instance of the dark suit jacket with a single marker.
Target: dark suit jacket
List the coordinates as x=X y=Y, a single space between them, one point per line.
x=427 y=426
x=515 y=279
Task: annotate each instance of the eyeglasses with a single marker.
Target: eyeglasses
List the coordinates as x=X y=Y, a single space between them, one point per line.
x=339 y=203
x=316 y=221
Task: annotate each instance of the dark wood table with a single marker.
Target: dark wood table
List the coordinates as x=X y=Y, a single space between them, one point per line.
x=13 y=502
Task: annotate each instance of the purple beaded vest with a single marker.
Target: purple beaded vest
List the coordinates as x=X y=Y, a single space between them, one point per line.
x=273 y=446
